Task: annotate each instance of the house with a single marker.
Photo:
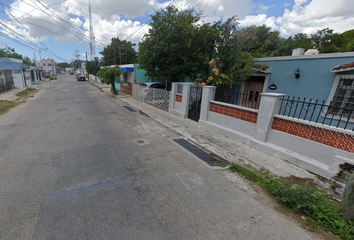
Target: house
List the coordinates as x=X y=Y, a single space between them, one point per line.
x=130 y=74
x=13 y=74
x=317 y=74
x=322 y=79
x=49 y=67
x=299 y=108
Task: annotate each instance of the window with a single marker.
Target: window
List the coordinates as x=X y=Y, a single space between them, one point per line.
x=49 y=64
x=343 y=100
x=43 y=64
x=125 y=78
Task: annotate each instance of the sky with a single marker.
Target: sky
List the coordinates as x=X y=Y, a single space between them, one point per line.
x=60 y=29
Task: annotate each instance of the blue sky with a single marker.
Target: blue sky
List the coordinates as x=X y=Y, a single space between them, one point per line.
x=60 y=27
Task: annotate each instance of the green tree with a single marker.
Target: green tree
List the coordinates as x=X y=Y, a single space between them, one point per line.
x=10 y=53
x=345 y=41
x=264 y=42
x=118 y=52
x=176 y=45
x=27 y=60
x=232 y=53
x=107 y=75
x=93 y=67
x=323 y=40
x=64 y=65
x=301 y=40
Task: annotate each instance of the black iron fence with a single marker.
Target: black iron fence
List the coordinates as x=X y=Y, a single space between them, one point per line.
x=318 y=112
x=235 y=95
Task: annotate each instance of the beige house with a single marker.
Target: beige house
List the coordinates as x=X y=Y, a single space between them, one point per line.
x=49 y=66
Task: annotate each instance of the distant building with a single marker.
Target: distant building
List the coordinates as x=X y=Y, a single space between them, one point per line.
x=49 y=66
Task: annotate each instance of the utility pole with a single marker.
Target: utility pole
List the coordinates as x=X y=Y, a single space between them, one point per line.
x=40 y=59
x=114 y=54
x=120 y=57
x=92 y=35
x=77 y=55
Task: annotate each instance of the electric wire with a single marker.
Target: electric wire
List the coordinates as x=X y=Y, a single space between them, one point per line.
x=30 y=32
x=74 y=33
x=29 y=47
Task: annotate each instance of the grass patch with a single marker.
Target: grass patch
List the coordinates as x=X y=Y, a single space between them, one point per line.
x=23 y=95
x=26 y=92
x=313 y=202
x=6 y=105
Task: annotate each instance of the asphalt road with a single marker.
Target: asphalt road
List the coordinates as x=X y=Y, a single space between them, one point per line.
x=71 y=168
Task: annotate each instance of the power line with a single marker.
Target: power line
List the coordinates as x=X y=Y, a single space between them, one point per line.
x=52 y=17
x=28 y=30
x=44 y=27
x=25 y=45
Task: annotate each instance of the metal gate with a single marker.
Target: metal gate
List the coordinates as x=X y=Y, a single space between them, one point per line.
x=9 y=79
x=195 y=102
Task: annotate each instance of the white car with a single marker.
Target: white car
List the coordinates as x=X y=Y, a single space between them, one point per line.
x=147 y=88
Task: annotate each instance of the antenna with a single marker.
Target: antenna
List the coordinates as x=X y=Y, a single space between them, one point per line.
x=92 y=35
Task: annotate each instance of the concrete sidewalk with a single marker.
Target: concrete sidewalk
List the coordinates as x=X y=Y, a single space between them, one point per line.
x=221 y=145
x=10 y=95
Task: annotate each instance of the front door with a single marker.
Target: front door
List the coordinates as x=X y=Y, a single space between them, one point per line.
x=253 y=89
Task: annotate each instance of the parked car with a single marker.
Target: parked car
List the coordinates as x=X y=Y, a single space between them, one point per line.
x=71 y=73
x=146 y=90
x=81 y=77
x=53 y=77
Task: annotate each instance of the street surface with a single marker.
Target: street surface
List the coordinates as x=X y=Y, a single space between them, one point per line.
x=71 y=168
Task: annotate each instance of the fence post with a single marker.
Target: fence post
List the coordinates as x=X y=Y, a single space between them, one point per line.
x=185 y=99
x=270 y=104
x=207 y=96
x=173 y=96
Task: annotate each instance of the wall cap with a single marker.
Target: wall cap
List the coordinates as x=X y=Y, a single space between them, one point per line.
x=273 y=94
x=317 y=56
x=235 y=106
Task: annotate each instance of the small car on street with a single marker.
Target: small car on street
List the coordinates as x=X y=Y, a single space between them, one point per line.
x=81 y=77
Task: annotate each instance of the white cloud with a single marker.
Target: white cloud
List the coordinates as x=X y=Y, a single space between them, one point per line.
x=308 y=16
x=119 y=18
x=259 y=8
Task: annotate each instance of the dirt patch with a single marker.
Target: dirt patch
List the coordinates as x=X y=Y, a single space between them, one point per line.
x=270 y=201
x=298 y=218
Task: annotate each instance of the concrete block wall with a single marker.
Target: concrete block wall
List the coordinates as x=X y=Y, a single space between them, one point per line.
x=315 y=147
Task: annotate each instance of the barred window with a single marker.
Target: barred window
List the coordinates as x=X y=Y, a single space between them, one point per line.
x=343 y=100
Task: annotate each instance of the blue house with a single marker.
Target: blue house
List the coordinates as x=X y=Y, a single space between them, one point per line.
x=11 y=74
x=321 y=86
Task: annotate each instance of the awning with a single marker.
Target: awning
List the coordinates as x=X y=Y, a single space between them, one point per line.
x=343 y=68
x=127 y=69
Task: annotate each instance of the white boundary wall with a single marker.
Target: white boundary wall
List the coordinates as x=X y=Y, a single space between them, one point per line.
x=315 y=157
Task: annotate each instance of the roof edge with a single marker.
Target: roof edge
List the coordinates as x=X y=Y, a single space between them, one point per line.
x=317 y=56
